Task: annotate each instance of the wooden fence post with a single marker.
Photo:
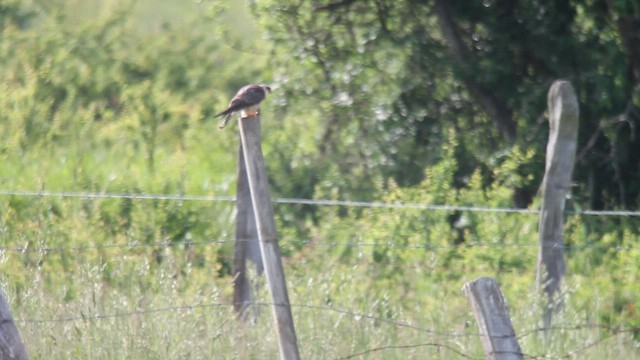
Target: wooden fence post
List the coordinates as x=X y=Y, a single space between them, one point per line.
x=263 y=210
x=498 y=338
x=247 y=246
x=11 y=346
x=561 y=153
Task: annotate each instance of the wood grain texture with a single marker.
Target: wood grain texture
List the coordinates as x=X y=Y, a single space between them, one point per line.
x=498 y=337
x=247 y=244
x=263 y=210
x=561 y=153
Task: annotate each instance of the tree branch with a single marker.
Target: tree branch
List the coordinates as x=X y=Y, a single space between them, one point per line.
x=494 y=107
x=629 y=29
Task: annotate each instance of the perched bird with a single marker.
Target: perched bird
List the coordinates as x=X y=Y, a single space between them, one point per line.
x=247 y=100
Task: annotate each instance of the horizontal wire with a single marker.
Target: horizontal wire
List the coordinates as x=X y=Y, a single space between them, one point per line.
x=302 y=201
x=361 y=354
x=384 y=320
x=387 y=244
x=111 y=246
x=429 y=266
x=99 y=316
x=613 y=330
x=83 y=195
x=622 y=327
x=342 y=311
x=299 y=201
x=366 y=204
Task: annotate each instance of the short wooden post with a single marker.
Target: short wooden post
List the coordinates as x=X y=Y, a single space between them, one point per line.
x=263 y=210
x=561 y=153
x=247 y=246
x=498 y=338
x=11 y=346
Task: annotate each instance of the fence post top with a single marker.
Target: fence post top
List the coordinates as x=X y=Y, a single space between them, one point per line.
x=480 y=281
x=562 y=98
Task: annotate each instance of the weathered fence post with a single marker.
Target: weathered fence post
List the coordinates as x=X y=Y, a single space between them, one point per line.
x=498 y=338
x=561 y=153
x=263 y=210
x=247 y=244
x=11 y=346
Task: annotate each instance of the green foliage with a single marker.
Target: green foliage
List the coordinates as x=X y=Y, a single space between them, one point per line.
x=394 y=77
x=101 y=107
x=365 y=107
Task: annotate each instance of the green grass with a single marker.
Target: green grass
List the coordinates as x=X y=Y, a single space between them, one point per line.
x=176 y=310
x=158 y=302
x=121 y=104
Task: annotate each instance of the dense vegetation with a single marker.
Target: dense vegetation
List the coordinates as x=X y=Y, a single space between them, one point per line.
x=400 y=75
x=414 y=102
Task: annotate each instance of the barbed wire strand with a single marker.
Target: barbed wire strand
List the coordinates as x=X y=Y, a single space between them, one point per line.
x=111 y=246
x=302 y=201
x=574 y=353
x=570 y=354
x=318 y=202
x=99 y=316
x=617 y=328
x=383 y=320
x=388 y=244
x=614 y=330
x=389 y=347
x=356 y=315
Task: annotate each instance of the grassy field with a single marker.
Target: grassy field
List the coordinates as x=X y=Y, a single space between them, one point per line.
x=159 y=302
x=79 y=290
x=122 y=105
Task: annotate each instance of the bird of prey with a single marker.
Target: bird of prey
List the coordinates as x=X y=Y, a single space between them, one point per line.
x=247 y=101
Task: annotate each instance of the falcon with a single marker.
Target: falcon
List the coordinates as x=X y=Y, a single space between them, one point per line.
x=247 y=101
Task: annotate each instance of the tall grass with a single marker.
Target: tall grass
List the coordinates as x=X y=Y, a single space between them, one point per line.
x=122 y=104
x=174 y=308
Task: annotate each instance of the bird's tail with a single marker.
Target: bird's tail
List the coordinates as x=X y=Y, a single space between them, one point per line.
x=225 y=121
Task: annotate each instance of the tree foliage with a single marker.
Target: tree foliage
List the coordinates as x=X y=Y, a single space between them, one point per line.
x=392 y=77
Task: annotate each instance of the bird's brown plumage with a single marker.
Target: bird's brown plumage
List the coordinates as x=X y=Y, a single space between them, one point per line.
x=248 y=99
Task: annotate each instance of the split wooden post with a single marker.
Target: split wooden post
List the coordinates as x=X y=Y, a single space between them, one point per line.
x=498 y=337
x=11 y=346
x=263 y=210
x=561 y=154
x=247 y=246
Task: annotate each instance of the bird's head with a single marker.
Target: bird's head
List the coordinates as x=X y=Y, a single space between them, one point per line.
x=266 y=88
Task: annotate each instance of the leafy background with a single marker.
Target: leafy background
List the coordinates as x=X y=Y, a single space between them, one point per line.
x=370 y=104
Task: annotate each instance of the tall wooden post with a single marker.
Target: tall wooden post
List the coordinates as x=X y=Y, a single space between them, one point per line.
x=498 y=338
x=11 y=346
x=247 y=246
x=263 y=210
x=561 y=153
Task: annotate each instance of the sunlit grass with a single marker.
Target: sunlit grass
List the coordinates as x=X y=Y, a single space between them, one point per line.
x=150 y=279
x=169 y=310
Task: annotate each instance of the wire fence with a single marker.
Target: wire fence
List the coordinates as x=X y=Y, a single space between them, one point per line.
x=611 y=330
x=432 y=266
x=445 y=341
x=357 y=315
x=620 y=327
x=383 y=244
x=608 y=330
x=315 y=202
